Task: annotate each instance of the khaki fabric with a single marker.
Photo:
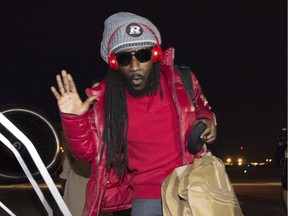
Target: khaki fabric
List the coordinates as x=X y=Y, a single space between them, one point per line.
x=200 y=189
x=77 y=175
x=75 y=189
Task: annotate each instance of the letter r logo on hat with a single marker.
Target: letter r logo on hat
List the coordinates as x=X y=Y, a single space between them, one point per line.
x=134 y=30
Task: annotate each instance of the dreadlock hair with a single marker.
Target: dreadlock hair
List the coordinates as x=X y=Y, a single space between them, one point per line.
x=116 y=117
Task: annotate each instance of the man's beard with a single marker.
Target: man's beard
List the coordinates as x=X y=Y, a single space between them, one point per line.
x=149 y=88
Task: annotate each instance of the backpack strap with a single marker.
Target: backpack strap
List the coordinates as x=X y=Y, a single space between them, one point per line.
x=185 y=75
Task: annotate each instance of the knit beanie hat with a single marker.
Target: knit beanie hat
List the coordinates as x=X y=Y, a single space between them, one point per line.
x=127 y=30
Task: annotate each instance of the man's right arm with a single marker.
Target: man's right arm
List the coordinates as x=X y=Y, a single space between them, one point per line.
x=80 y=138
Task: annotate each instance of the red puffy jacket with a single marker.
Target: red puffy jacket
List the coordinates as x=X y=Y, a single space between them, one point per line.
x=84 y=135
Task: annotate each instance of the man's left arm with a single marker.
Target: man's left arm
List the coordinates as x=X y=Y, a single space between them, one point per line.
x=204 y=113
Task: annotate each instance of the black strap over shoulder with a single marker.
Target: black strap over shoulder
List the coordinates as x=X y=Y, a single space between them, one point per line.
x=185 y=74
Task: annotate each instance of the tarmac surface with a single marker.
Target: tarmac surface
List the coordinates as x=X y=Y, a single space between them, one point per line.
x=258 y=195
x=260 y=203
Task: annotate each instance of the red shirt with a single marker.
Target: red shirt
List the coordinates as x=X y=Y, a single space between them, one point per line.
x=154 y=148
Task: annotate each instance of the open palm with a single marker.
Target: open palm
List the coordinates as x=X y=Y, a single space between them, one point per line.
x=68 y=98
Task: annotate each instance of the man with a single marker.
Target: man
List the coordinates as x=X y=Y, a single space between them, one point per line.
x=135 y=125
x=281 y=156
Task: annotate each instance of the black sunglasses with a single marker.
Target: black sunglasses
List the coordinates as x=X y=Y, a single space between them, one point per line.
x=142 y=55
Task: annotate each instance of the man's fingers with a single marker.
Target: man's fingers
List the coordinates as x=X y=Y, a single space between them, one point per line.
x=205 y=133
x=210 y=138
x=60 y=84
x=65 y=81
x=90 y=100
x=209 y=135
x=71 y=84
x=55 y=92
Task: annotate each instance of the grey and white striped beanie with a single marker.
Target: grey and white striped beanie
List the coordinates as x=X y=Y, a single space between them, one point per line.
x=127 y=30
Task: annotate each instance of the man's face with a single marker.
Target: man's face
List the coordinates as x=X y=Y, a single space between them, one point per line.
x=136 y=72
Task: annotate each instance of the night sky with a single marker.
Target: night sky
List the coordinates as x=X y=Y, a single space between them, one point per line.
x=236 y=48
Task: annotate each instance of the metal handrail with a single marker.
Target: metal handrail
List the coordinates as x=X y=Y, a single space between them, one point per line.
x=39 y=164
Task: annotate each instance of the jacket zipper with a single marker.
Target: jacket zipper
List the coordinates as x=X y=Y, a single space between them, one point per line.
x=178 y=112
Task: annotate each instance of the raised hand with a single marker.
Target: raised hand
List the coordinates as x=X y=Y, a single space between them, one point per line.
x=68 y=98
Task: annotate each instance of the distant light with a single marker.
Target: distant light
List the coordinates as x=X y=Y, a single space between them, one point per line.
x=61 y=149
x=245 y=171
x=241 y=148
x=240 y=161
x=268 y=160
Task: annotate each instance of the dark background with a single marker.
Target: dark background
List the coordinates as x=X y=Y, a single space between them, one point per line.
x=236 y=48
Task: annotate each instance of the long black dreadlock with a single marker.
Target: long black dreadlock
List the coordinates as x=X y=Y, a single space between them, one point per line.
x=116 y=116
